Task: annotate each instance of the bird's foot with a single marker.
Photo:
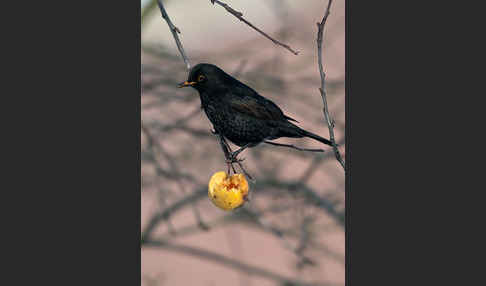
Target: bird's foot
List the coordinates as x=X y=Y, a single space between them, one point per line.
x=232 y=159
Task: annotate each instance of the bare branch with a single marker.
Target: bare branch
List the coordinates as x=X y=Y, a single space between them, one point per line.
x=174 y=167
x=152 y=145
x=263 y=223
x=311 y=196
x=165 y=214
x=226 y=261
x=294 y=147
x=329 y=120
x=227 y=150
x=303 y=241
x=174 y=30
x=239 y=15
x=243 y=218
x=166 y=176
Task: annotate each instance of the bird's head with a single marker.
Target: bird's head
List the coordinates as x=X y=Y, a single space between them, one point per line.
x=205 y=77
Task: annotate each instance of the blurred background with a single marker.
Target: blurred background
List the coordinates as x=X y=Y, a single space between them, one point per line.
x=292 y=230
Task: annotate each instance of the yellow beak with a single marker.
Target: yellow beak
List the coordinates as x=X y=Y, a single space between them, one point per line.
x=186 y=83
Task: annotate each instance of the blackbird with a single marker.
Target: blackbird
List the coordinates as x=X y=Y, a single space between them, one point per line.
x=240 y=114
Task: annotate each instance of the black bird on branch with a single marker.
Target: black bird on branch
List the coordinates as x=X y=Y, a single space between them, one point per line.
x=240 y=114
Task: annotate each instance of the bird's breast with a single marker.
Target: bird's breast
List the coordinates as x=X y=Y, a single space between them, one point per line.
x=237 y=127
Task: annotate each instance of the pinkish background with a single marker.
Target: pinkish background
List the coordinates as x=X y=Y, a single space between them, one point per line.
x=172 y=115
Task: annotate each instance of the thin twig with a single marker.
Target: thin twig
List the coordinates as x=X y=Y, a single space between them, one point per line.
x=308 y=193
x=303 y=241
x=152 y=145
x=173 y=166
x=329 y=120
x=263 y=223
x=239 y=15
x=179 y=122
x=174 y=30
x=233 y=218
x=227 y=150
x=265 y=185
x=168 y=212
x=228 y=262
x=294 y=147
x=311 y=169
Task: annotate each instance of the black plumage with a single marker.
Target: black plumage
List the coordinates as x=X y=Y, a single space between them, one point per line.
x=239 y=113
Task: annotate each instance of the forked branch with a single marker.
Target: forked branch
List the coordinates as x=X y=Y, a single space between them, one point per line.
x=329 y=120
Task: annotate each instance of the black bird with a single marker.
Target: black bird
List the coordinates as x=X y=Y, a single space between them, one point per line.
x=239 y=113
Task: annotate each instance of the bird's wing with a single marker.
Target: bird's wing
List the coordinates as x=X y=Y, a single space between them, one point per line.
x=257 y=106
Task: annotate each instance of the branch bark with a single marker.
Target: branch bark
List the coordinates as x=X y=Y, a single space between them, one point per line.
x=239 y=15
x=174 y=30
x=329 y=120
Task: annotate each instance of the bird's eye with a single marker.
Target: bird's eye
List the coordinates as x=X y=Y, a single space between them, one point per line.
x=201 y=78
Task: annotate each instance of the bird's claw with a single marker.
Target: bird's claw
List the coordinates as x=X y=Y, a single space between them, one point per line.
x=232 y=160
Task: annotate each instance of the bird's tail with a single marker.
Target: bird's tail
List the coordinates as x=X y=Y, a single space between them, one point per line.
x=292 y=130
x=315 y=137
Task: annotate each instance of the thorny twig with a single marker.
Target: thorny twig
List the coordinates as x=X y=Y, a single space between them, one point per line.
x=239 y=15
x=174 y=30
x=329 y=120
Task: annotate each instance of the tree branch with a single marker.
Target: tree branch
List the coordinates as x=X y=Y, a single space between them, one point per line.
x=242 y=218
x=251 y=212
x=329 y=120
x=174 y=30
x=294 y=147
x=226 y=261
x=169 y=211
x=239 y=15
x=308 y=193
